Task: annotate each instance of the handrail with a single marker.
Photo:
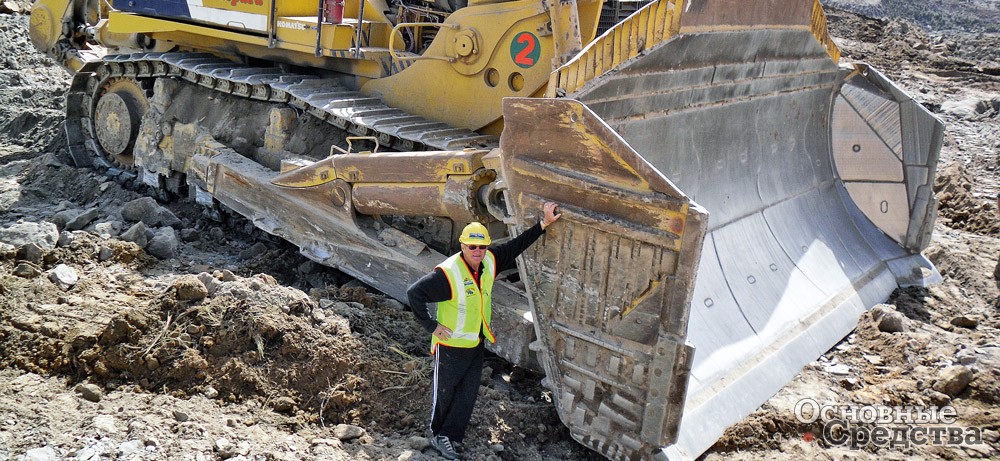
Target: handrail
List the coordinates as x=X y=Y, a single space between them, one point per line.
x=392 y=40
x=273 y=23
x=319 y=27
x=654 y=23
x=361 y=23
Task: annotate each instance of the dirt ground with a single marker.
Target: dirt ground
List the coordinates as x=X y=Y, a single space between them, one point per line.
x=236 y=347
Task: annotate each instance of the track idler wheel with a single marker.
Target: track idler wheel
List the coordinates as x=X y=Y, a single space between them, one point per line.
x=117 y=116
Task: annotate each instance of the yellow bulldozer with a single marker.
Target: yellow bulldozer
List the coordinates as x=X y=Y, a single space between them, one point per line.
x=734 y=195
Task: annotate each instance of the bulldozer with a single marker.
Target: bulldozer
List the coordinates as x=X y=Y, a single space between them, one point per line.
x=734 y=193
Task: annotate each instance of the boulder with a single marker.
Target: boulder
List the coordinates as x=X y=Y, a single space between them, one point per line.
x=255 y=250
x=105 y=254
x=147 y=211
x=45 y=453
x=66 y=239
x=190 y=235
x=111 y=228
x=30 y=252
x=211 y=283
x=965 y=321
x=62 y=217
x=348 y=431
x=43 y=234
x=887 y=319
x=190 y=288
x=90 y=392
x=81 y=220
x=953 y=380
x=164 y=243
x=136 y=234
x=64 y=276
x=10 y=7
x=27 y=270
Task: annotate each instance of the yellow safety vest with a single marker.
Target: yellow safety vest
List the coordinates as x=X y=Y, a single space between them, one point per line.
x=469 y=310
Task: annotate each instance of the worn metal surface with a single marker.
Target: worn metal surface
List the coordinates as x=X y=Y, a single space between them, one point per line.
x=611 y=282
x=331 y=235
x=742 y=119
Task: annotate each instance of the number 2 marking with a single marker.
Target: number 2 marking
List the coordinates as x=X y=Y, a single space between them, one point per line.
x=523 y=57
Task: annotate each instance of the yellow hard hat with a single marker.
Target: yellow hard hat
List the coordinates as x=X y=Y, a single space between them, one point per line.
x=475 y=234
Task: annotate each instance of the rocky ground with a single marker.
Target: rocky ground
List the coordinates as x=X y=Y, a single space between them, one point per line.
x=133 y=330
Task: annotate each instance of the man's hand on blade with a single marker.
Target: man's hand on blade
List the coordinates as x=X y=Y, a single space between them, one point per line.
x=550 y=214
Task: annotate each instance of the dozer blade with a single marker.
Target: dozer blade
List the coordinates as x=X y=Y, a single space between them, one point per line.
x=817 y=177
x=612 y=282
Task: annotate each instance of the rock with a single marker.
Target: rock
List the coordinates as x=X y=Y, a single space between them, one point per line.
x=418 y=443
x=27 y=270
x=180 y=416
x=130 y=449
x=225 y=448
x=147 y=211
x=217 y=234
x=189 y=288
x=838 y=369
x=62 y=217
x=105 y=424
x=965 y=357
x=66 y=239
x=136 y=234
x=953 y=380
x=872 y=359
x=960 y=108
x=255 y=250
x=10 y=7
x=887 y=318
x=497 y=448
x=81 y=220
x=91 y=453
x=30 y=252
x=211 y=392
x=43 y=234
x=90 y=392
x=348 y=431
x=283 y=404
x=211 y=283
x=105 y=253
x=228 y=276
x=111 y=228
x=190 y=235
x=307 y=267
x=42 y=454
x=64 y=276
x=335 y=443
x=965 y=321
x=164 y=243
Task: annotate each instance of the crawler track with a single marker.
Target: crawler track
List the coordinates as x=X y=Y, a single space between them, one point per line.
x=324 y=98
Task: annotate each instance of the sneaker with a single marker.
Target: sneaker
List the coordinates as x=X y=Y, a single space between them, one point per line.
x=443 y=445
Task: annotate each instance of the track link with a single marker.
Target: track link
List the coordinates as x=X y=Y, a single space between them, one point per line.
x=323 y=98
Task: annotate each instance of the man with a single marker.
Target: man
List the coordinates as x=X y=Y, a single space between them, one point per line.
x=462 y=286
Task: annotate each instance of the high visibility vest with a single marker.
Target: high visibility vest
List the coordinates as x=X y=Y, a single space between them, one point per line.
x=470 y=308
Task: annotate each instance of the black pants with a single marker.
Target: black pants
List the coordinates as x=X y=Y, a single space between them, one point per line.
x=457 y=374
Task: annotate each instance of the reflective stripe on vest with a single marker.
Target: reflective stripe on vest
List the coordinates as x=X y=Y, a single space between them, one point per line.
x=470 y=309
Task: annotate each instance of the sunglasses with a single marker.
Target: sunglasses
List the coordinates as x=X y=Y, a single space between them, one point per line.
x=476 y=247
